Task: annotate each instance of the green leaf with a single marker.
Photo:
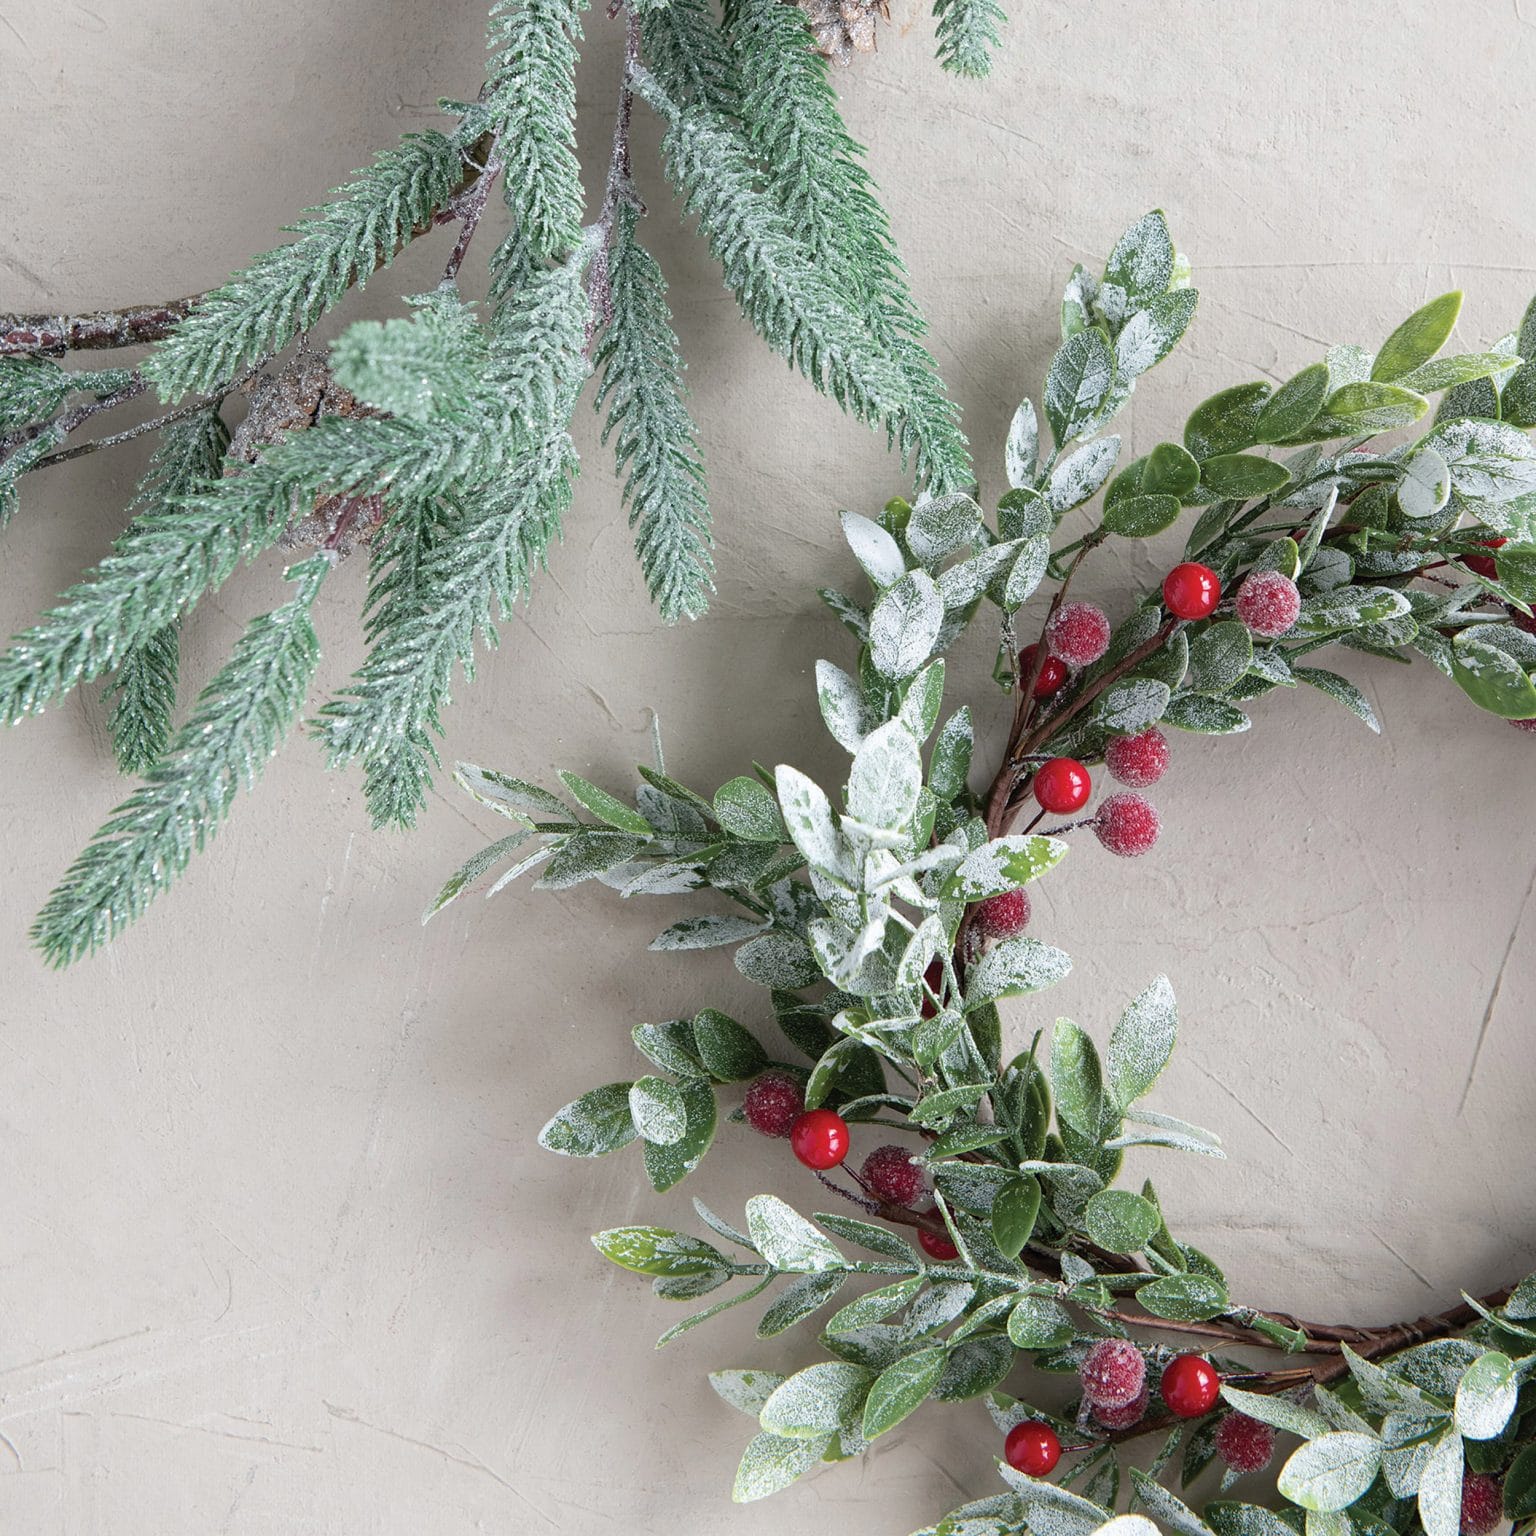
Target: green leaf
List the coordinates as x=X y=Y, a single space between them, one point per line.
x=511 y=797
x=1343 y=690
x=471 y=870
x=1486 y=1397
x=940 y=525
x=668 y=1165
x=950 y=762
x=658 y=1109
x=1078 y=477
x=1418 y=338
x=1449 y=372
x=1370 y=407
x=1003 y=864
x=1077 y=1080
x=1520 y=1486
x=730 y=1052
x=771 y=1463
x=744 y=1390
x=706 y=933
x=1491 y=679
x=1205 y=716
x=1037 y=1322
x=786 y=1239
x=1227 y=422
x=885 y=779
x=1426 y=484
x=875 y=1306
x=1141 y=517
x=1121 y=1221
x=1141 y=264
x=746 y=809
x=605 y=807
x=1021 y=453
x=1185 y=1298
x=874 y=549
x=1012 y=968
x=1332 y=1471
x=1280 y=1412
x=798 y=1300
x=1078 y=382
x=1219 y=655
x=1440 y=1487
x=1153 y=331
x=1142 y=1042
x=1170 y=471
x=657 y=1251
x=1015 y=1209
x=596 y=1123
x=1132 y=705
x=901 y=1388
x=1241 y=476
x=1294 y=406
x=904 y=625
x=819 y=1400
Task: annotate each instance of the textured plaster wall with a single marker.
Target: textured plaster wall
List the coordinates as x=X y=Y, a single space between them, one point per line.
x=278 y=1252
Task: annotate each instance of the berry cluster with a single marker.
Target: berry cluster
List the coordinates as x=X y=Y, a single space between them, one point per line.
x=1125 y=823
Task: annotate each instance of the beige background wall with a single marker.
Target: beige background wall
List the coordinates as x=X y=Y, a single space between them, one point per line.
x=277 y=1253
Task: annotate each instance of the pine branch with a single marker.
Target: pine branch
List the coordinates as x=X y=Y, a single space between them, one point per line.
x=530 y=102
x=685 y=47
x=238 y=722
x=260 y=310
x=167 y=558
x=815 y=171
x=968 y=32
x=100 y=330
x=144 y=685
x=656 y=441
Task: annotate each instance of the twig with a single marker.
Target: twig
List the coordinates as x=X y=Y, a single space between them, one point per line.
x=618 y=189
x=469 y=206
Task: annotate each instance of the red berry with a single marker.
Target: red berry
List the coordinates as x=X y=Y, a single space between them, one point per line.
x=1053 y=672
x=1523 y=621
x=1113 y=1374
x=1002 y=917
x=1138 y=760
x=773 y=1103
x=1524 y=725
x=1078 y=633
x=1485 y=565
x=819 y=1138
x=1122 y=1418
x=1191 y=591
x=1032 y=1447
x=1268 y=603
x=1062 y=785
x=890 y=1174
x=1191 y=1386
x=1127 y=824
x=937 y=1245
x=1246 y=1445
x=1482 y=1504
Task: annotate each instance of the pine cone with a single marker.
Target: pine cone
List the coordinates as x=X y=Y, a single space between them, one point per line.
x=844 y=27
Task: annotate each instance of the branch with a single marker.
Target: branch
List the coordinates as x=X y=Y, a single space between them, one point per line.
x=619 y=186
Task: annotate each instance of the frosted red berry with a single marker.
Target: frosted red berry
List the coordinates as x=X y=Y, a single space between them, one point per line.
x=1127 y=824
x=1191 y=591
x=1078 y=633
x=1062 y=785
x=1244 y=1444
x=1032 y=1447
x=1053 y=672
x=1191 y=1386
x=1139 y=760
x=1523 y=621
x=1482 y=1504
x=1268 y=603
x=819 y=1138
x=1113 y=1374
x=1124 y=1417
x=1004 y=916
x=937 y=1245
x=773 y=1103
x=1524 y=725
x=890 y=1174
x=1485 y=565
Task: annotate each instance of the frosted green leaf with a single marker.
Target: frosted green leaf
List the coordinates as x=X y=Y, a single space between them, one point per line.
x=1492 y=679
x=1023 y=446
x=1120 y=1221
x=875 y=1306
x=1343 y=690
x=1417 y=339
x=787 y=1240
x=658 y=1110
x=1486 y=1397
x=904 y=625
x=1132 y=705
x=950 y=762
x=1080 y=377
x=1012 y=968
x=1153 y=331
x=1051 y=1510
x=597 y=1122
x=745 y=1390
x=1141 y=1043
x=706 y=933
x=1028 y=571
x=746 y=809
x=1229 y=1518
x=1333 y=1471
x=1440 y=1486
x=1173 y=1514
x=1003 y=864
x=919 y=711
x=1142 y=261
x=1426 y=484
x=874 y=549
x=1205 y=716
x=886 y=776
x=656 y=1251
x=1227 y=422
x=605 y=807
x=1450 y=372
x=731 y=1053
x=1078 y=477
x=471 y=870
x=1240 y=476
x=1219 y=655
x=510 y=797
x=1294 y=406
x=1015 y=1210
x=1280 y=1412
x=900 y=1389
x=798 y=1300
x=669 y=1165
x=1141 y=517
x=781 y=960
x=1167 y=1131
x=819 y=1400
x=1348 y=608
x=1037 y=1322
x=808 y=816
x=1489 y=461
x=771 y=1462
x=1129 y=1525
x=842 y=706
x=939 y=525
x=1185 y=1298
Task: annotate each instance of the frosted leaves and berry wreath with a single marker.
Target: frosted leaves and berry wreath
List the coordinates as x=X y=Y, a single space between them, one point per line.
x=888 y=932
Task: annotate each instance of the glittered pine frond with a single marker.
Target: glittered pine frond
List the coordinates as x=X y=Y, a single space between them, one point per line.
x=655 y=443
x=967 y=34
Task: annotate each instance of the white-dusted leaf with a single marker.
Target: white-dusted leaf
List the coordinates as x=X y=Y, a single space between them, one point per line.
x=706 y=932
x=1051 y=1510
x=1078 y=477
x=1153 y=331
x=1078 y=382
x=772 y=1462
x=787 y=1240
x=874 y=549
x=939 y=525
x=1028 y=571
x=819 y=1400
x=1341 y=689
x=886 y=776
x=773 y=959
x=1426 y=484
x=745 y=1390
x=1332 y=1471
x=597 y=1123
x=658 y=1109
x=1141 y=1043
x=1281 y=1412
x=1486 y=1397
x=1440 y=1488
x=1013 y=967
x=904 y=625
x=808 y=816
x=511 y=797
x=842 y=706
x=1171 y=1512
x=1488 y=461
x=471 y=870
x=1131 y=706
x=1023 y=449
x=1003 y=864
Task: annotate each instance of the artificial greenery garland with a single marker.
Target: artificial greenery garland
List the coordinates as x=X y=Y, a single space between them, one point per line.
x=889 y=931
x=441 y=441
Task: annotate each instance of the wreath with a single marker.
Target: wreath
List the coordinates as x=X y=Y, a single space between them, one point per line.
x=889 y=929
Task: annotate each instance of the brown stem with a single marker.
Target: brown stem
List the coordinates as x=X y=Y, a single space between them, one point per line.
x=618 y=189
x=469 y=206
